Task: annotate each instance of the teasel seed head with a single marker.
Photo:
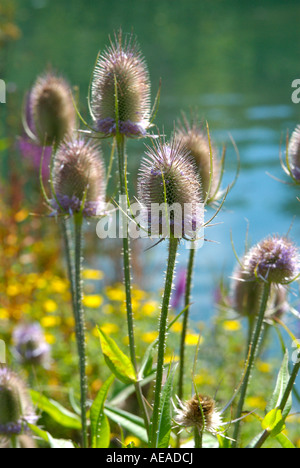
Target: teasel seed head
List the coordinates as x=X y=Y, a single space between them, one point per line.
x=197 y=143
x=294 y=154
x=246 y=294
x=15 y=406
x=121 y=70
x=206 y=417
x=79 y=178
x=273 y=260
x=168 y=174
x=51 y=109
x=30 y=345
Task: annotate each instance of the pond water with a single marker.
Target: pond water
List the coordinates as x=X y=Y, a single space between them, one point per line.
x=234 y=61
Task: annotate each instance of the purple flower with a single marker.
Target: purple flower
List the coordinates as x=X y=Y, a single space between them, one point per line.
x=30 y=344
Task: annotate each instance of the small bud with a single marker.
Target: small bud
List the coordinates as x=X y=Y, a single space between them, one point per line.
x=246 y=294
x=79 y=178
x=205 y=417
x=30 y=344
x=52 y=115
x=294 y=153
x=15 y=406
x=196 y=141
x=168 y=174
x=121 y=68
x=273 y=260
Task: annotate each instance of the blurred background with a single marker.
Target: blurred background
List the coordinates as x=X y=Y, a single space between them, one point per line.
x=233 y=61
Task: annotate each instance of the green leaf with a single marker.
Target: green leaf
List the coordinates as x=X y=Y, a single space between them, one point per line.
x=99 y=423
x=130 y=422
x=284 y=441
x=273 y=422
x=60 y=414
x=54 y=443
x=165 y=421
x=281 y=384
x=117 y=361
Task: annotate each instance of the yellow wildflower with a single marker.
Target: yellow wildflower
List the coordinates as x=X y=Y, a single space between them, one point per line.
x=93 y=275
x=132 y=439
x=50 y=306
x=231 y=325
x=93 y=301
x=149 y=337
x=50 y=321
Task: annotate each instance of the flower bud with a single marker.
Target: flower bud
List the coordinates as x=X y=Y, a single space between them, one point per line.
x=294 y=153
x=51 y=109
x=246 y=294
x=196 y=141
x=122 y=69
x=167 y=174
x=15 y=405
x=79 y=178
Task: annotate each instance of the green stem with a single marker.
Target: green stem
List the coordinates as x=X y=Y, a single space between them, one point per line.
x=80 y=323
x=254 y=346
x=173 y=246
x=127 y=275
x=284 y=399
x=197 y=438
x=188 y=288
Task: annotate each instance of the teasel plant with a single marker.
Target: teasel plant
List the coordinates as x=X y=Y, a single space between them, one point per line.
x=77 y=193
x=120 y=108
x=168 y=179
x=210 y=168
x=271 y=263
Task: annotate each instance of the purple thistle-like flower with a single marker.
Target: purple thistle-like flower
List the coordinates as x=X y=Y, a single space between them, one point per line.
x=121 y=68
x=30 y=344
x=168 y=174
x=15 y=406
x=79 y=178
x=294 y=154
x=274 y=259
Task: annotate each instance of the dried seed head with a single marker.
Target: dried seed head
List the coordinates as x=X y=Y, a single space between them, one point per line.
x=79 y=178
x=196 y=141
x=123 y=68
x=15 y=405
x=206 y=417
x=246 y=294
x=51 y=109
x=274 y=259
x=294 y=153
x=30 y=344
x=168 y=174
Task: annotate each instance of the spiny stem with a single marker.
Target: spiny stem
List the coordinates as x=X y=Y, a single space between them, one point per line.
x=173 y=246
x=80 y=323
x=254 y=346
x=188 y=288
x=127 y=275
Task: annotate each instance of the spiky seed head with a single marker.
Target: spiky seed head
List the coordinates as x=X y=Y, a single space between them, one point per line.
x=294 y=153
x=79 y=178
x=168 y=174
x=206 y=417
x=246 y=294
x=121 y=67
x=197 y=143
x=15 y=405
x=51 y=108
x=30 y=344
x=273 y=260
